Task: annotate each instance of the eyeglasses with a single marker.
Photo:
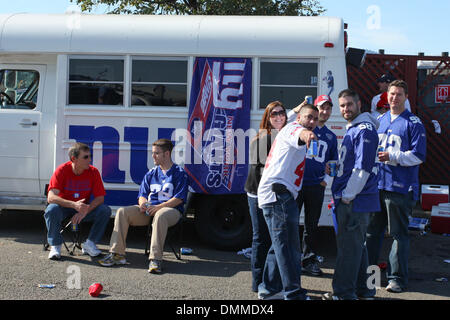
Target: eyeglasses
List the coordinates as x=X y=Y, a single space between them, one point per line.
x=277 y=113
x=87 y=156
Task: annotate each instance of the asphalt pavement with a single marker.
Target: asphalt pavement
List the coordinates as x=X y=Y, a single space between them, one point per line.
x=206 y=274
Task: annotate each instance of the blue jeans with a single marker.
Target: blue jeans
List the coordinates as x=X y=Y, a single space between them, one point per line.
x=395 y=211
x=312 y=198
x=55 y=214
x=260 y=243
x=350 y=274
x=282 y=270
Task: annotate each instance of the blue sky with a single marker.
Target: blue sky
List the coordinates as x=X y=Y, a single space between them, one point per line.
x=398 y=27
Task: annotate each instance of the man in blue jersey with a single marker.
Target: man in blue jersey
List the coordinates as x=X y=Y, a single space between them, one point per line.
x=402 y=136
x=161 y=196
x=314 y=183
x=355 y=194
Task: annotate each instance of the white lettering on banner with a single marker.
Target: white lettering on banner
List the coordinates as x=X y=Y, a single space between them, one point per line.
x=206 y=94
x=228 y=97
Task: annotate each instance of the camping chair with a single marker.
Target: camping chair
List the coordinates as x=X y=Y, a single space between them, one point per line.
x=172 y=232
x=67 y=227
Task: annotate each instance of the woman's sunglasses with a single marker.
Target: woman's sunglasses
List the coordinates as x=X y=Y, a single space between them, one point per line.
x=277 y=113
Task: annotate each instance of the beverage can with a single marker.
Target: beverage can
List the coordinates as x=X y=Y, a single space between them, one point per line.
x=312 y=150
x=333 y=168
x=147 y=205
x=380 y=149
x=309 y=99
x=74 y=227
x=185 y=251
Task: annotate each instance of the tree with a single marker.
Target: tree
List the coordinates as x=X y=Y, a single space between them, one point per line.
x=209 y=7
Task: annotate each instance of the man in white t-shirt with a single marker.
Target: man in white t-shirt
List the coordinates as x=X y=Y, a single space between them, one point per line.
x=383 y=83
x=279 y=186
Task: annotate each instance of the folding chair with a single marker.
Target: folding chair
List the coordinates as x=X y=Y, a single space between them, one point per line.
x=172 y=232
x=75 y=237
x=67 y=227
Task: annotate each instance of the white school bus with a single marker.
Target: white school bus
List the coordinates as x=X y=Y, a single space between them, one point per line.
x=120 y=82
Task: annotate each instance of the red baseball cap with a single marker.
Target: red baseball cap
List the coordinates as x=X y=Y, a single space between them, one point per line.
x=383 y=102
x=320 y=100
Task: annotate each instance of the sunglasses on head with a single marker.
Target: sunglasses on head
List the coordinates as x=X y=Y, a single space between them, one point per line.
x=277 y=113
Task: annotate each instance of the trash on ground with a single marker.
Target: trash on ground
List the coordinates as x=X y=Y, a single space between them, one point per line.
x=95 y=289
x=382 y=265
x=417 y=223
x=186 y=251
x=49 y=286
x=246 y=252
x=441 y=280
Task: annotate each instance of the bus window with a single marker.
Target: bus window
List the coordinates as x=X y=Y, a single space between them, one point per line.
x=159 y=82
x=18 y=89
x=96 y=81
x=288 y=82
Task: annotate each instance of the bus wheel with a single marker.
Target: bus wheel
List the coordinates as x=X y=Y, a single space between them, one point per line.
x=223 y=221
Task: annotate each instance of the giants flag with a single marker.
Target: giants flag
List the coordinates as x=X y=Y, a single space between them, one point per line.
x=219 y=116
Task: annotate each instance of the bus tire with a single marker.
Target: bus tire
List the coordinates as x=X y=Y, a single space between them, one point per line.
x=223 y=221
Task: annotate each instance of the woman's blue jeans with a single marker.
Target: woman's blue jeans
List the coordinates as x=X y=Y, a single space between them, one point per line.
x=260 y=242
x=282 y=270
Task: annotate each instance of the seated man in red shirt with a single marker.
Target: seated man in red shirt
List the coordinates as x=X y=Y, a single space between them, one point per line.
x=69 y=194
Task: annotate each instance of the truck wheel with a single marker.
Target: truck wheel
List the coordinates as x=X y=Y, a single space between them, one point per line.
x=223 y=221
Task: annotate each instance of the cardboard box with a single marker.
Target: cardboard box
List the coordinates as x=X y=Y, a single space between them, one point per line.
x=432 y=195
x=440 y=218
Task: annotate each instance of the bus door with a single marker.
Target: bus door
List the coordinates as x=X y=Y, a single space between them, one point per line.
x=20 y=116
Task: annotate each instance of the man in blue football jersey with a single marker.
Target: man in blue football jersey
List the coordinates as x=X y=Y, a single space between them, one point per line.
x=355 y=194
x=162 y=194
x=402 y=136
x=314 y=183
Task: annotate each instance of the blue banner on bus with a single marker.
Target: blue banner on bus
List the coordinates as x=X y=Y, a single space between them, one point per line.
x=219 y=118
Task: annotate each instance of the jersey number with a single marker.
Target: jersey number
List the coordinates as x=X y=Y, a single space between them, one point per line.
x=391 y=143
x=299 y=172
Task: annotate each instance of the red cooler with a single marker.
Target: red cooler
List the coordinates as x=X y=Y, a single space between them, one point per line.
x=432 y=195
x=440 y=218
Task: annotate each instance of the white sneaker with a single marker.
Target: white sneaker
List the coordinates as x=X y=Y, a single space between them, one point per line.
x=90 y=248
x=394 y=287
x=55 y=253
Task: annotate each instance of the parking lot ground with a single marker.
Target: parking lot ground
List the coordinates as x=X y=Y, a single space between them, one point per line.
x=206 y=274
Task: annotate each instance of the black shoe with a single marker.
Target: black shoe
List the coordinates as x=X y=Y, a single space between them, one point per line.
x=312 y=269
